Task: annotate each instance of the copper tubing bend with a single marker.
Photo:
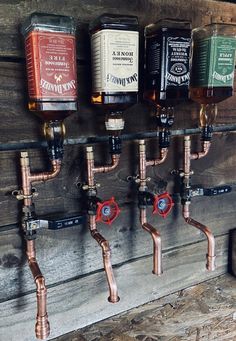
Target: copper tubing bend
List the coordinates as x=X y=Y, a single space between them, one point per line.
x=42 y=327
x=106 y=251
x=156 y=237
x=210 y=265
x=106 y=254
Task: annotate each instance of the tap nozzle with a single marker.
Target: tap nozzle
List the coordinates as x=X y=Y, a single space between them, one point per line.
x=54 y=132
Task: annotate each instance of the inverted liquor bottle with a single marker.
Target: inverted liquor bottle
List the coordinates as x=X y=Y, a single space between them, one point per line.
x=114 y=53
x=51 y=65
x=213 y=63
x=167 y=62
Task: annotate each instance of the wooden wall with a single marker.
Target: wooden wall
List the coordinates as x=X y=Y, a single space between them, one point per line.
x=70 y=260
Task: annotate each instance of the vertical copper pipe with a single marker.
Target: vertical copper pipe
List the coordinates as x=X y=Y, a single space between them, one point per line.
x=106 y=251
x=156 y=237
x=210 y=265
x=42 y=327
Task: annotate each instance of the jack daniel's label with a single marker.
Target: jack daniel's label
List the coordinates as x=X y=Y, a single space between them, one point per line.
x=115 y=61
x=213 y=62
x=167 y=62
x=51 y=66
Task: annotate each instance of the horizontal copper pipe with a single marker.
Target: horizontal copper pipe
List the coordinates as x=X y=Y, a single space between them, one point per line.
x=156 y=237
x=106 y=254
x=108 y=168
x=42 y=327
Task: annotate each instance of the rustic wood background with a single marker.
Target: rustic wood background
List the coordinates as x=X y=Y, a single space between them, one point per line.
x=70 y=259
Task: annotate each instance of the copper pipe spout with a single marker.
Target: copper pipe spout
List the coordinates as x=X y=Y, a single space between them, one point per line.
x=156 y=237
x=42 y=327
x=188 y=156
x=106 y=254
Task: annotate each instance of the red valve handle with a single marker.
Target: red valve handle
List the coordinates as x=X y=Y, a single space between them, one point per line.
x=163 y=204
x=107 y=211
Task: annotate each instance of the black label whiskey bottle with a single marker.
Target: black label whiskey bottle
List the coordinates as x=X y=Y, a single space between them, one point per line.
x=167 y=62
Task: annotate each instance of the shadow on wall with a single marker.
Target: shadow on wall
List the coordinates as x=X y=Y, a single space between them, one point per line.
x=232 y=253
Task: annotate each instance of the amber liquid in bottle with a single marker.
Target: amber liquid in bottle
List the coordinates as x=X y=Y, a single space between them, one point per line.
x=213 y=63
x=167 y=55
x=115 y=62
x=51 y=65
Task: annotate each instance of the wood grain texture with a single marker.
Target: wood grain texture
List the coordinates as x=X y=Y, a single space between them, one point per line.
x=199 y=11
x=67 y=254
x=81 y=302
x=70 y=260
x=202 y=312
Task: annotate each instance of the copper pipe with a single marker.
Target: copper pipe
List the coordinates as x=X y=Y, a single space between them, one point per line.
x=156 y=237
x=161 y=159
x=106 y=254
x=42 y=327
x=186 y=212
x=205 y=149
x=108 y=168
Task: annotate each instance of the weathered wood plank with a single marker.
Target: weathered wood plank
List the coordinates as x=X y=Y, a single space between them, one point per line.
x=13 y=13
x=232 y=252
x=204 y=311
x=215 y=169
x=81 y=302
x=75 y=253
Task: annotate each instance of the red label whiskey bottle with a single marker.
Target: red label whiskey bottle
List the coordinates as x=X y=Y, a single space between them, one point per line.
x=51 y=65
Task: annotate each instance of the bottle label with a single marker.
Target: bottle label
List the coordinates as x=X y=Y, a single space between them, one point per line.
x=168 y=62
x=213 y=62
x=115 y=61
x=51 y=66
x=178 y=57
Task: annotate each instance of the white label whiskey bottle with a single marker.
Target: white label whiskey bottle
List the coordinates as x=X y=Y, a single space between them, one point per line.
x=114 y=53
x=167 y=62
x=213 y=63
x=51 y=65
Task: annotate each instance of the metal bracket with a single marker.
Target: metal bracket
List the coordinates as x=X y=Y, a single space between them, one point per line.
x=19 y=195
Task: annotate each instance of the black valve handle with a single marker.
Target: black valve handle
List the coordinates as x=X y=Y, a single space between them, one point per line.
x=217 y=190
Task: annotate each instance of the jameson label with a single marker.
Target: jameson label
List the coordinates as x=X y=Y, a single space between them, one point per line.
x=115 y=61
x=213 y=63
x=168 y=61
x=51 y=66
